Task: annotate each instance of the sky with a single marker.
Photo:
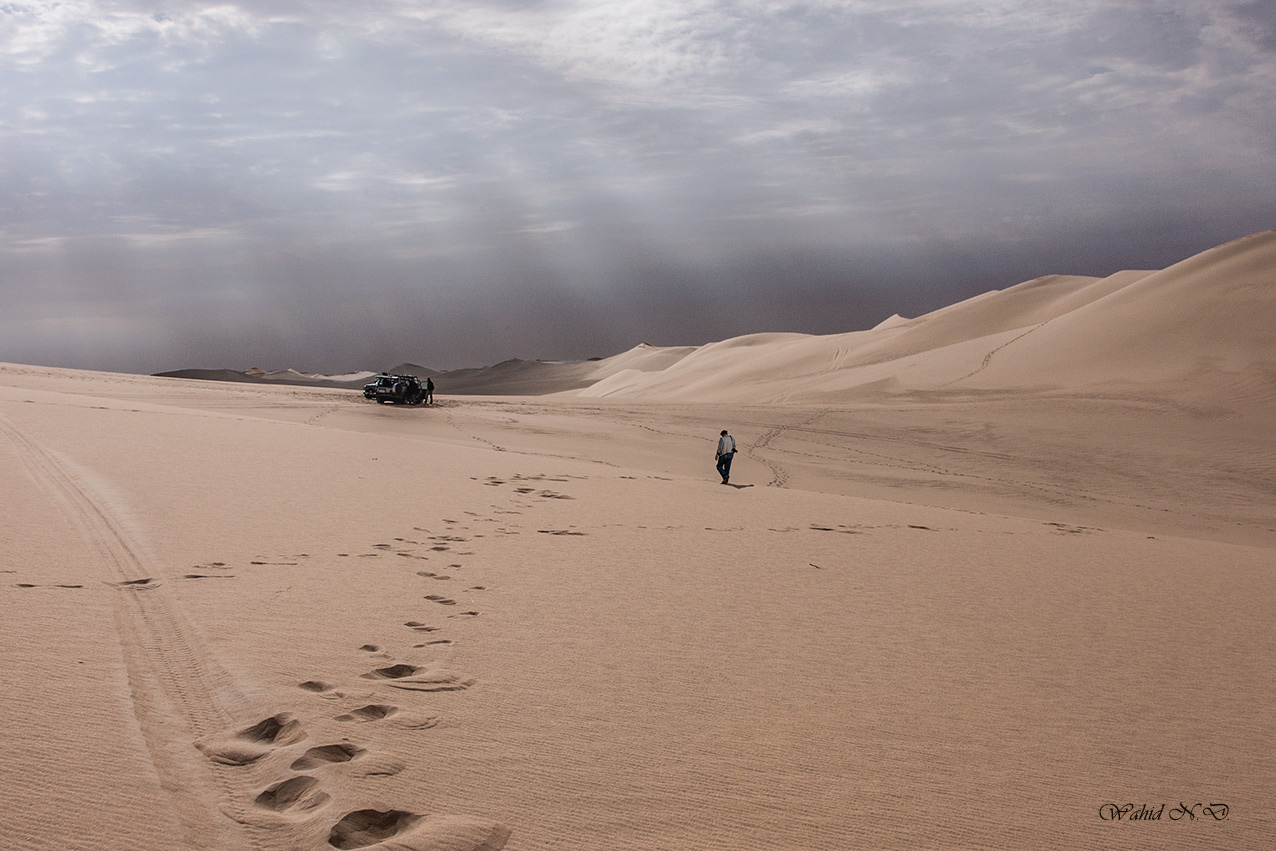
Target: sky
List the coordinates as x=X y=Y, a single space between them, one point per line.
x=332 y=186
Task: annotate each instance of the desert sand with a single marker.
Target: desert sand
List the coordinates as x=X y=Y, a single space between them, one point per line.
x=980 y=580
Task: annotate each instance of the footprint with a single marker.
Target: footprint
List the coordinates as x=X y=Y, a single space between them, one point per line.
x=252 y=743
x=443 y=601
x=326 y=755
x=393 y=672
x=414 y=832
x=209 y=576
x=371 y=712
x=276 y=730
x=845 y=530
x=381 y=765
x=417 y=678
x=464 y=615
x=1064 y=527
x=362 y=828
x=295 y=793
x=371 y=648
x=134 y=583
x=315 y=686
x=420 y=627
x=416 y=722
x=433 y=681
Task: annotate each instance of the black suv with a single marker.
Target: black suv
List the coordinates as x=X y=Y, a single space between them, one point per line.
x=395 y=389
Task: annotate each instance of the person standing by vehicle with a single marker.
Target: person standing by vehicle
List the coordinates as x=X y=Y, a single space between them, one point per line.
x=726 y=451
x=429 y=390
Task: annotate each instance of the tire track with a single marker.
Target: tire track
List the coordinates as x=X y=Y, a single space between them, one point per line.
x=179 y=694
x=449 y=417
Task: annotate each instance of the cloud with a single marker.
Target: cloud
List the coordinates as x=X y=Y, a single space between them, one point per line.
x=281 y=166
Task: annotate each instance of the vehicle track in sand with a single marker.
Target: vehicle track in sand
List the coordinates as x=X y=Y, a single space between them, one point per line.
x=179 y=693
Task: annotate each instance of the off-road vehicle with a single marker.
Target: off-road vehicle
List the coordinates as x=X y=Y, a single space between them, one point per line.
x=395 y=390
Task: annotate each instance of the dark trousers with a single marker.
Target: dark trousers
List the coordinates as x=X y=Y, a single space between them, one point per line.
x=724 y=465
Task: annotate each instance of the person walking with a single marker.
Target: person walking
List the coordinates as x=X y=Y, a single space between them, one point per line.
x=726 y=451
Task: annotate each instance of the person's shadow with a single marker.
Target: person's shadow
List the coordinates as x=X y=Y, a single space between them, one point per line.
x=737 y=487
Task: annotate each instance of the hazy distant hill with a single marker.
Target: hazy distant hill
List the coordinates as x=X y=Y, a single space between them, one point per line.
x=511 y=377
x=283 y=376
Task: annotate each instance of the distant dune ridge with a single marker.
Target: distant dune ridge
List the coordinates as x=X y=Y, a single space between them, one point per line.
x=1210 y=318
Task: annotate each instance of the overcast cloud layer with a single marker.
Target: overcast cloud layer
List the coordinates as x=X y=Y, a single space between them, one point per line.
x=335 y=185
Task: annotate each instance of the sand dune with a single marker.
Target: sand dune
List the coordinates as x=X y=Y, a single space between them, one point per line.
x=985 y=578
x=1208 y=319
x=1209 y=316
